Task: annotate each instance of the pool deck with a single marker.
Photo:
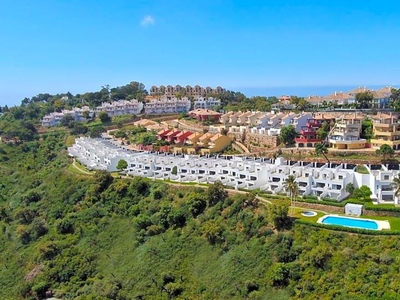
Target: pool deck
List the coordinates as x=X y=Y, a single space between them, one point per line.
x=382 y=224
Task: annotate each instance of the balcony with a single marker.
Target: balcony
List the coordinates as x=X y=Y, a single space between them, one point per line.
x=314 y=123
x=306 y=130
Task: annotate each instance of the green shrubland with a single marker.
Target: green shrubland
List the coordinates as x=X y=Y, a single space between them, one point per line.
x=85 y=236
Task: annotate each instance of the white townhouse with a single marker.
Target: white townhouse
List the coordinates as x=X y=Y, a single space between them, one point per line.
x=77 y=113
x=300 y=120
x=206 y=103
x=167 y=105
x=253 y=118
x=262 y=121
x=121 y=107
x=99 y=154
x=319 y=179
x=286 y=120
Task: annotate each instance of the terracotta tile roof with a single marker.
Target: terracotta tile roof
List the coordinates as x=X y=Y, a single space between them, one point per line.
x=201 y=111
x=337 y=96
x=359 y=89
x=314 y=99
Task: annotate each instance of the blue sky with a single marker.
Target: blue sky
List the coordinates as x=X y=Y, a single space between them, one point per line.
x=77 y=46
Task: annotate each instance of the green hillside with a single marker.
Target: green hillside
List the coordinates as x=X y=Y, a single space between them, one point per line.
x=99 y=237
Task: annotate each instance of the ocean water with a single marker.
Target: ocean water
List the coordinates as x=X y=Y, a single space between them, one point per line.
x=302 y=91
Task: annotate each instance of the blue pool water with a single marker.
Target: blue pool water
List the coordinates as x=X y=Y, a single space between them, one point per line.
x=350 y=222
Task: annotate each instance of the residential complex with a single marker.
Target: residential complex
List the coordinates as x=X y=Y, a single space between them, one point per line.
x=386 y=131
x=206 y=103
x=166 y=105
x=121 y=107
x=346 y=131
x=195 y=91
x=207 y=142
x=319 y=179
x=78 y=114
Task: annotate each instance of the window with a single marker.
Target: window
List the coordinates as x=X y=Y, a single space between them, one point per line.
x=386 y=177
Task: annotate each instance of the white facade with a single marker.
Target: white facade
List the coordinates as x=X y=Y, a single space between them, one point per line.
x=206 y=103
x=77 y=113
x=121 y=107
x=300 y=120
x=322 y=180
x=167 y=105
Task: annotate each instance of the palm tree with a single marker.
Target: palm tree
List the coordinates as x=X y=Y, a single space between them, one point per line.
x=321 y=149
x=292 y=187
x=396 y=185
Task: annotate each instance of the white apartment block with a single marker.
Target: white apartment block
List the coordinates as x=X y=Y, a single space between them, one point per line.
x=206 y=103
x=167 y=105
x=322 y=180
x=121 y=107
x=54 y=119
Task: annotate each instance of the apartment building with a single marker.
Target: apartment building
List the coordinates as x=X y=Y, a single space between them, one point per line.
x=386 y=129
x=121 y=107
x=77 y=113
x=194 y=91
x=167 y=105
x=319 y=179
x=206 y=103
x=346 y=132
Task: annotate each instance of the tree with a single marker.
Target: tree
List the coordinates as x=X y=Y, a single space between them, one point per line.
x=212 y=231
x=79 y=128
x=67 y=121
x=278 y=214
x=174 y=170
x=363 y=193
x=292 y=187
x=122 y=164
x=396 y=185
x=350 y=188
x=321 y=149
x=385 y=150
x=323 y=131
x=196 y=204
x=366 y=129
x=288 y=134
x=216 y=193
x=395 y=99
x=104 y=117
x=86 y=115
x=364 y=99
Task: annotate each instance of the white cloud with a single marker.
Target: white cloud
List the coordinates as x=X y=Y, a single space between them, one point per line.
x=147 y=20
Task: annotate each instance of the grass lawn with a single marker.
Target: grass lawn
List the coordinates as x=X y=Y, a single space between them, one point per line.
x=78 y=169
x=394 y=221
x=297 y=214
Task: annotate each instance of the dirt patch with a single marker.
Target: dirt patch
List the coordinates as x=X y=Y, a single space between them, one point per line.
x=35 y=271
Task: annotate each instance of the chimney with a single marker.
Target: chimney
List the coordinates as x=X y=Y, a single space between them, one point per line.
x=335 y=93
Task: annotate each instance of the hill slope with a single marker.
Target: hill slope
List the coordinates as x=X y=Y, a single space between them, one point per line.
x=85 y=237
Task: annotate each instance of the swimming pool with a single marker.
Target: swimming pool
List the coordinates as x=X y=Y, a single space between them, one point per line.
x=309 y=213
x=350 y=222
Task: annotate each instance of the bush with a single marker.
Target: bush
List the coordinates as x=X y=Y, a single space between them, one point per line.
x=65 y=226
